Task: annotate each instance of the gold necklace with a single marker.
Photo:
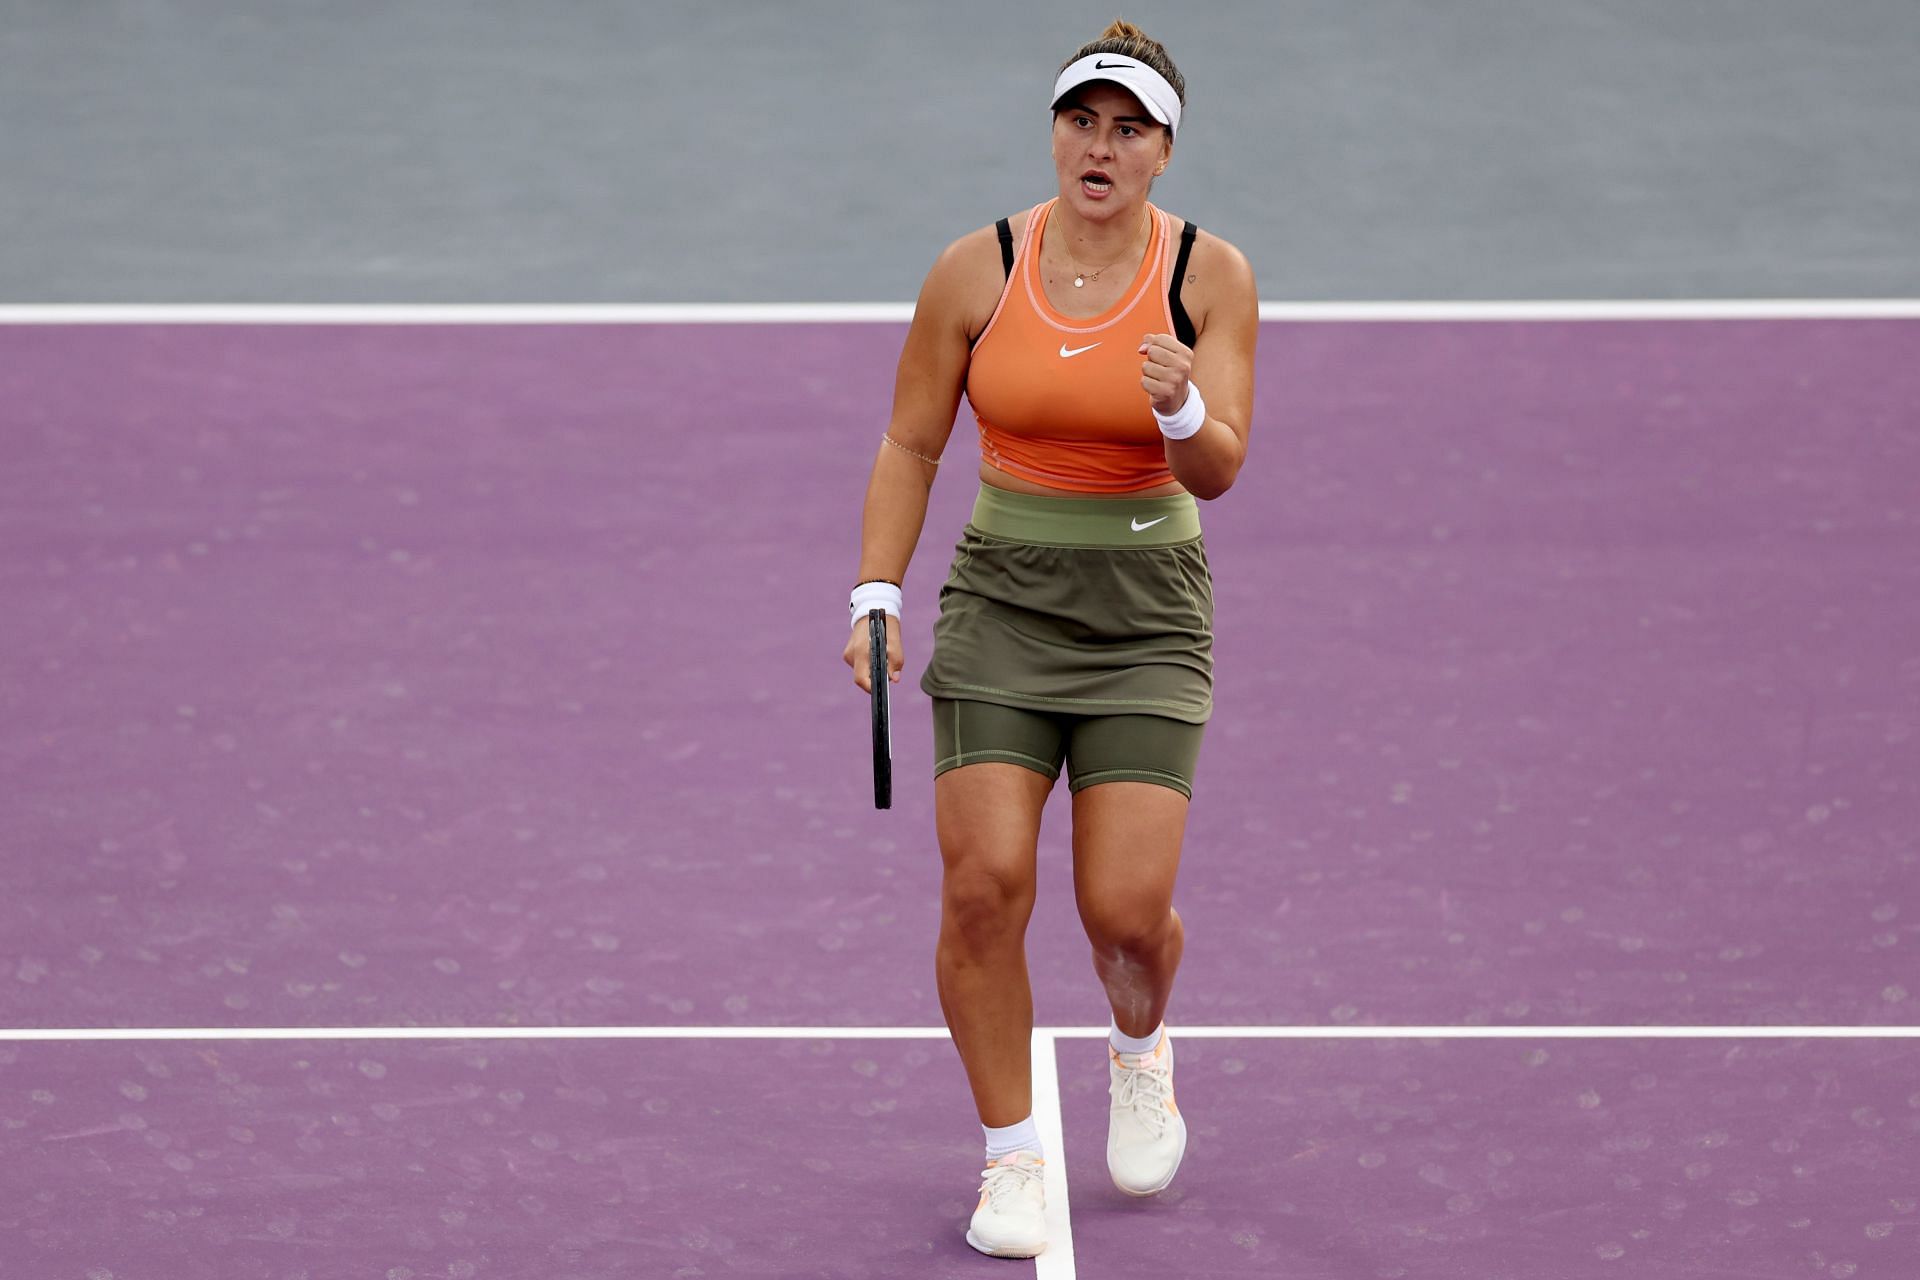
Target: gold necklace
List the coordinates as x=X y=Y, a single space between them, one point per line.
x=1081 y=277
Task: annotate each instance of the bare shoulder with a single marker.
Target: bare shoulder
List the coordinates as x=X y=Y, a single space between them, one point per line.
x=966 y=281
x=1218 y=277
x=1221 y=259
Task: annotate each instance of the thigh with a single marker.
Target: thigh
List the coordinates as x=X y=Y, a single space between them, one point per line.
x=987 y=817
x=1132 y=777
x=1126 y=856
x=994 y=767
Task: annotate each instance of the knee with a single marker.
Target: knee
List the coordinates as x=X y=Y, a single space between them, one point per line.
x=1130 y=924
x=981 y=905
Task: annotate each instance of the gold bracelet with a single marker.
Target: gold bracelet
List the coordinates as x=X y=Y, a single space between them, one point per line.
x=902 y=448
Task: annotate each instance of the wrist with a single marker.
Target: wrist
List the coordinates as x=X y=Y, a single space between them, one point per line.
x=1185 y=421
x=878 y=594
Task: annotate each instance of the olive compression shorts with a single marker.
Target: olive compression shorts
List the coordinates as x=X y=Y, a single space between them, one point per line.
x=1095 y=748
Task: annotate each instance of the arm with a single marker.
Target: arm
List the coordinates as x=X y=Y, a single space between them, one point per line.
x=926 y=395
x=1220 y=362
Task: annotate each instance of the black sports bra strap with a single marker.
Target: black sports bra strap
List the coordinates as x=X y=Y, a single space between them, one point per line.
x=1005 y=229
x=1180 y=262
x=1182 y=322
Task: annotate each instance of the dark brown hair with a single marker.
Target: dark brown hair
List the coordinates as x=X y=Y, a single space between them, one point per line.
x=1129 y=41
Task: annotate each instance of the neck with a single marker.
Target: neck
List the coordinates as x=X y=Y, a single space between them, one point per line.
x=1097 y=243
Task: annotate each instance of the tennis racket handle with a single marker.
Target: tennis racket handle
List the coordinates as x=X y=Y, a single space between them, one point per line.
x=877 y=645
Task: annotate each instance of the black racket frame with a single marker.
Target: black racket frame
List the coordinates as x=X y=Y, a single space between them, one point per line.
x=882 y=709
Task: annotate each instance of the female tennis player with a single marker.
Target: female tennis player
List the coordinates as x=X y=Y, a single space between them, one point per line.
x=1076 y=624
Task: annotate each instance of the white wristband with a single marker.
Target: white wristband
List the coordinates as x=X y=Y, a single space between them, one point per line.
x=874 y=595
x=1186 y=420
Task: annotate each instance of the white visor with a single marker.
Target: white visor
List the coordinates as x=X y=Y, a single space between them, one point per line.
x=1131 y=74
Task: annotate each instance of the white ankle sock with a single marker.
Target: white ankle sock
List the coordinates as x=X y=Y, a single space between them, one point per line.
x=1014 y=1137
x=1124 y=1043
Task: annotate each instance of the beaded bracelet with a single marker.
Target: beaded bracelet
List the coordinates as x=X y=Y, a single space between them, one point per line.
x=912 y=452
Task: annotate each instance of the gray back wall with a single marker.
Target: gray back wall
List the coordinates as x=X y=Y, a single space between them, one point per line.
x=600 y=151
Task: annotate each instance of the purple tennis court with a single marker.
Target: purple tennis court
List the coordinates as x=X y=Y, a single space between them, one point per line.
x=390 y=677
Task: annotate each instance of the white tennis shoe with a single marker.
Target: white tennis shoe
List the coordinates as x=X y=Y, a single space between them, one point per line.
x=1010 y=1221
x=1146 y=1135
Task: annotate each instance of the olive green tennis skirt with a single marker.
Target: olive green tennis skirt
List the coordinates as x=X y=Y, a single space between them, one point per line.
x=1097 y=606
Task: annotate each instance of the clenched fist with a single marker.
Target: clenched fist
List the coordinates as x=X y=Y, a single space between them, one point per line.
x=1164 y=373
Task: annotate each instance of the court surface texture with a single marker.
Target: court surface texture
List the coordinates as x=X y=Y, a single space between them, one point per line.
x=437 y=839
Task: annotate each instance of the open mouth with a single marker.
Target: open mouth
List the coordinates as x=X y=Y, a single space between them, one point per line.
x=1096 y=181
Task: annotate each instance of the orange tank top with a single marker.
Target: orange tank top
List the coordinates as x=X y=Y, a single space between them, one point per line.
x=1058 y=399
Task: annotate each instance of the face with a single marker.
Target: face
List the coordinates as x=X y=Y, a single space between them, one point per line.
x=1106 y=150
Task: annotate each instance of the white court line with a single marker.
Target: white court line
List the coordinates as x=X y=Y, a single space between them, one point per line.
x=1056 y=1260
x=899 y=312
x=29 y=1034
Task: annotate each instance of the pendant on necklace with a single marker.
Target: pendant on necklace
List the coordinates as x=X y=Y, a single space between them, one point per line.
x=1079 y=282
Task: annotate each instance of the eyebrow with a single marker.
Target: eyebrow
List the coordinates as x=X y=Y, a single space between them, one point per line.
x=1086 y=110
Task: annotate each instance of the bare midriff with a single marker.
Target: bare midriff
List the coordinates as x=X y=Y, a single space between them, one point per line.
x=1019 y=484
